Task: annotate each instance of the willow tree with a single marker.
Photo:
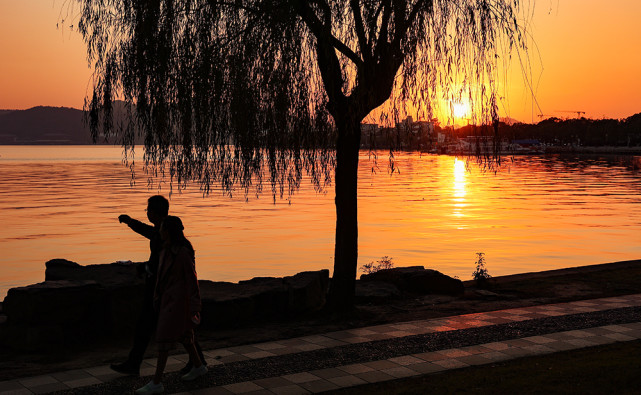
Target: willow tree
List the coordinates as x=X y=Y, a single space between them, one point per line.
x=237 y=93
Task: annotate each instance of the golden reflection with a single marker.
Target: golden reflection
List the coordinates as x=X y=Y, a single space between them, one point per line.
x=459 y=190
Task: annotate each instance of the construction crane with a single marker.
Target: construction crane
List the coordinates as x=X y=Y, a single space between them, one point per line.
x=578 y=113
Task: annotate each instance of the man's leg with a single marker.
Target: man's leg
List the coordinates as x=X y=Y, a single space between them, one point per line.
x=144 y=330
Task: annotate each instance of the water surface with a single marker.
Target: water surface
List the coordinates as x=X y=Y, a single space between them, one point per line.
x=535 y=213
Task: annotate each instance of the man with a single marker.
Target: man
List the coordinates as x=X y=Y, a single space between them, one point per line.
x=157 y=211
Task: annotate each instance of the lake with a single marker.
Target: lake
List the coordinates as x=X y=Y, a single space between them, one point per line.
x=535 y=213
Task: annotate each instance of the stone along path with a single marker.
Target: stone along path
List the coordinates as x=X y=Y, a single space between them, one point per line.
x=352 y=357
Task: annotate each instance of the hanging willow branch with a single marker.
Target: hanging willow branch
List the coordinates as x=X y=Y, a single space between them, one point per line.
x=230 y=94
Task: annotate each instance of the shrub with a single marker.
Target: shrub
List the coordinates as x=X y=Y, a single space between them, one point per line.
x=384 y=263
x=481 y=275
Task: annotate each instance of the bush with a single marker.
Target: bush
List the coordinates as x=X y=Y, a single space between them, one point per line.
x=384 y=263
x=481 y=275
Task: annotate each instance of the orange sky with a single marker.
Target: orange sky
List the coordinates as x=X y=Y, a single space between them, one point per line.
x=588 y=58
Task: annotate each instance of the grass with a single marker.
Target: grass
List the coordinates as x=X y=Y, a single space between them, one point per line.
x=607 y=369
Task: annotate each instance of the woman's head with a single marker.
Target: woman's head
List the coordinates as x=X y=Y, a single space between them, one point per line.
x=171 y=229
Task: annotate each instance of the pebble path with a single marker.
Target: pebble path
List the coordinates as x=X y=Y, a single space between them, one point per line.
x=352 y=357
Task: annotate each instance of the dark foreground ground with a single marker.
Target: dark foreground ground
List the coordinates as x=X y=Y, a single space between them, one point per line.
x=505 y=292
x=608 y=369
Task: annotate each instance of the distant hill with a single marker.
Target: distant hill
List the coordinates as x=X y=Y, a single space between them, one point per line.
x=43 y=125
x=51 y=125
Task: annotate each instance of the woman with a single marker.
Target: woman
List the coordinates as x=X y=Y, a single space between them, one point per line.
x=177 y=299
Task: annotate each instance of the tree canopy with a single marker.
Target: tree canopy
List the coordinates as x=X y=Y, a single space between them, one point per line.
x=233 y=92
x=245 y=76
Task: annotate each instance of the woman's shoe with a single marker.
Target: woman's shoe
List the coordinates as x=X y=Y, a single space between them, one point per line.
x=194 y=373
x=151 y=388
x=126 y=368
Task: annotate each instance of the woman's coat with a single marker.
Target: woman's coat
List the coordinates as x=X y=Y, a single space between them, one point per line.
x=177 y=296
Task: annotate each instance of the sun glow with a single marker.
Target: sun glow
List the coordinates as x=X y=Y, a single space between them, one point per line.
x=460 y=110
x=459 y=190
x=459 y=179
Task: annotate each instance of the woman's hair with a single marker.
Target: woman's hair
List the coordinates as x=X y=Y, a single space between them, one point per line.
x=174 y=226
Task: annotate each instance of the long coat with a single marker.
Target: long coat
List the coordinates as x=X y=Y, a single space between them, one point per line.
x=177 y=296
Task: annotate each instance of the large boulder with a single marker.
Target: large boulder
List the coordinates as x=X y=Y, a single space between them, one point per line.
x=115 y=275
x=84 y=303
x=375 y=292
x=417 y=279
x=269 y=295
x=225 y=304
x=56 y=302
x=54 y=313
x=307 y=290
x=229 y=304
x=122 y=286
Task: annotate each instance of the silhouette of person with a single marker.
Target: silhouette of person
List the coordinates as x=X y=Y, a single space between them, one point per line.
x=177 y=301
x=157 y=211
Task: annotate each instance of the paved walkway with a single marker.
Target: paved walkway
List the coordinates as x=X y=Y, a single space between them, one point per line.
x=341 y=376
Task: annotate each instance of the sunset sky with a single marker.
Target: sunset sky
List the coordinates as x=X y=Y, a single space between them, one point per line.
x=587 y=58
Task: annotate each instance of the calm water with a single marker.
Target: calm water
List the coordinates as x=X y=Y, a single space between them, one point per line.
x=537 y=213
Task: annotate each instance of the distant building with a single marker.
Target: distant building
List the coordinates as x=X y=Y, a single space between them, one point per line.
x=406 y=134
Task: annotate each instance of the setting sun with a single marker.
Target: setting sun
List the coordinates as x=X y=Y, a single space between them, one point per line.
x=460 y=110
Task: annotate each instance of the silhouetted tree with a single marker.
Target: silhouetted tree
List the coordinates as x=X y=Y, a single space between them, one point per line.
x=227 y=92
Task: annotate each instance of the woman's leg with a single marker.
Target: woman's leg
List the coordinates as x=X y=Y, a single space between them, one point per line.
x=193 y=354
x=160 y=365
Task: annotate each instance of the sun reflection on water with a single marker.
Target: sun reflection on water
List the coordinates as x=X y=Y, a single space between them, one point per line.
x=459 y=190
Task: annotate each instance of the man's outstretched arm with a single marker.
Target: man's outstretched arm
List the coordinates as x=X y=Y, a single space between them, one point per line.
x=141 y=228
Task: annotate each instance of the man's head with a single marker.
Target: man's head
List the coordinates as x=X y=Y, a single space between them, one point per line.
x=157 y=209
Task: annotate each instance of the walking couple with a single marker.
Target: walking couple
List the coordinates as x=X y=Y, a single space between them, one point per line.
x=171 y=303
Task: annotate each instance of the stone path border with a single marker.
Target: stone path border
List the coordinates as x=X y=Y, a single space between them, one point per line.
x=374 y=371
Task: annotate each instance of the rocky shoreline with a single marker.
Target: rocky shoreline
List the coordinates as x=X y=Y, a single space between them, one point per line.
x=399 y=305
x=83 y=305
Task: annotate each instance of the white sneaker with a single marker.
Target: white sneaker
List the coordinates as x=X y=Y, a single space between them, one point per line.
x=194 y=373
x=151 y=388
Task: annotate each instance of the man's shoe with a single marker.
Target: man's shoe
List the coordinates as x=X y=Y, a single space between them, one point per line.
x=125 y=368
x=151 y=388
x=194 y=373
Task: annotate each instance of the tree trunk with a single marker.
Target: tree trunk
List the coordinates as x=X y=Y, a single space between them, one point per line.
x=341 y=292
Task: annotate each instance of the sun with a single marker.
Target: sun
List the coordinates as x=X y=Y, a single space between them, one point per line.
x=460 y=110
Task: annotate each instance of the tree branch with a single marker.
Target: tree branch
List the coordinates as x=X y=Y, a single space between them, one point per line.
x=410 y=19
x=328 y=63
x=360 y=30
x=322 y=31
x=381 y=43
x=399 y=17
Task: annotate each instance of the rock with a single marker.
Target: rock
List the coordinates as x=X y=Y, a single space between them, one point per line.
x=486 y=293
x=307 y=290
x=417 y=279
x=53 y=313
x=60 y=263
x=112 y=275
x=224 y=304
x=393 y=276
x=124 y=289
x=84 y=303
x=229 y=304
x=375 y=291
x=269 y=295
x=56 y=302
